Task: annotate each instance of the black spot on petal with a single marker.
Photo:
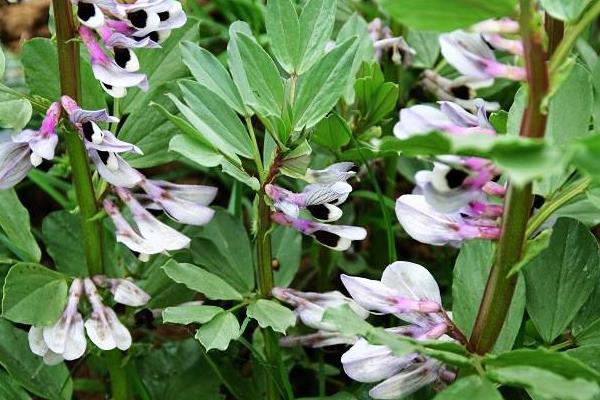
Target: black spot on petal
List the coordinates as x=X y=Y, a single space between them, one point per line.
x=122 y=56
x=139 y=18
x=319 y=211
x=88 y=130
x=85 y=11
x=455 y=178
x=103 y=156
x=154 y=36
x=164 y=15
x=461 y=92
x=327 y=238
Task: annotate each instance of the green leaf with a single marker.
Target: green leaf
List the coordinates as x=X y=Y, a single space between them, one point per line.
x=357 y=27
x=271 y=314
x=201 y=281
x=26 y=284
x=9 y=388
x=523 y=159
x=15 y=112
x=236 y=66
x=62 y=234
x=40 y=62
x=470 y=277
x=471 y=387
x=427 y=47
x=322 y=86
x=263 y=77
x=558 y=362
x=586 y=325
x=189 y=314
x=441 y=15
x=53 y=383
x=546 y=384
x=240 y=174
x=223 y=248
x=209 y=72
x=287 y=250
x=570 y=108
x=283 y=31
x=332 y=132
x=2 y=64
x=589 y=355
x=195 y=150
x=316 y=25
x=219 y=332
x=375 y=98
x=218 y=124
x=565 y=10
x=14 y=222
x=568 y=269
x=346 y=320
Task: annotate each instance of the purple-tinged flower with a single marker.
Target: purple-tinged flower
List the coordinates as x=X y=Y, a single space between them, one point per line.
x=503 y=25
x=162 y=236
x=471 y=56
x=310 y=306
x=42 y=143
x=124 y=291
x=383 y=39
x=456 y=90
x=89 y=14
x=408 y=381
x=103 y=327
x=335 y=237
x=425 y=224
x=65 y=340
x=499 y=42
x=155 y=16
x=114 y=79
x=114 y=169
x=320 y=200
x=450 y=118
x=14 y=161
x=317 y=340
x=126 y=234
x=338 y=172
x=406 y=290
x=186 y=204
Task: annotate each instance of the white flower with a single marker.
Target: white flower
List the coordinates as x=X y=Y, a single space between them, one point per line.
x=124 y=291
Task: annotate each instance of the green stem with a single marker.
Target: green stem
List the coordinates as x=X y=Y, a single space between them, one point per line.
x=217 y=372
x=552 y=205
x=255 y=149
x=499 y=290
x=68 y=63
x=572 y=34
x=118 y=376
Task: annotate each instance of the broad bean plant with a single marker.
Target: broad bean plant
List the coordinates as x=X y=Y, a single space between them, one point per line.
x=320 y=199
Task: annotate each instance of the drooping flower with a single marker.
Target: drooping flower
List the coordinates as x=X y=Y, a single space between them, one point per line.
x=502 y=25
x=103 y=327
x=450 y=118
x=427 y=225
x=65 y=340
x=335 y=237
x=150 y=235
x=186 y=204
x=410 y=292
x=28 y=148
x=310 y=306
x=114 y=79
x=338 y=172
x=473 y=58
x=317 y=340
x=384 y=40
x=124 y=290
x=320 y=200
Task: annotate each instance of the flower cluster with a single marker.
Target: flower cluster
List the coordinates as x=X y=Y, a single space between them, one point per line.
x=65 y=340
x=450 y=202
x=406 y=290
x=186 y=204
x=327 y=190
x=472 y=55
x=122 y=27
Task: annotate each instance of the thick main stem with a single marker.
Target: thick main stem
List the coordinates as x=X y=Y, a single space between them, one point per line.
x=499 y=289
x=68 y=63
